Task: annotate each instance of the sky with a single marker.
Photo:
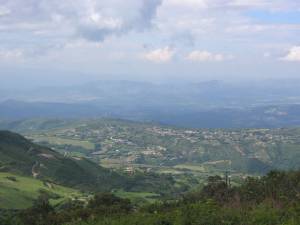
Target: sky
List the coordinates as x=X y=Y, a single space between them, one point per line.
x=149 y=39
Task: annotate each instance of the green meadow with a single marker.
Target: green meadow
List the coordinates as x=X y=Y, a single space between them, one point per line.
x=138 y=197
x=65 y=141
x=19 y=192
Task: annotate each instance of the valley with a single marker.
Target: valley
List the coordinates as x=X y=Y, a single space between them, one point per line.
x=188 y=155
x=149 y=112
x=28 y=170
x=70 y=159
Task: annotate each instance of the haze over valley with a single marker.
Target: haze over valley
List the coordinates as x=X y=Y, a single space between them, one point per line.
x=212 y=104
x=149 y=112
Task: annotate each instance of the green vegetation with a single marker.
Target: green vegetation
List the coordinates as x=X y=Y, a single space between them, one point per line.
x=270 y=200
x=199 y=168
x=19 y=192
x=125 y=144
x=154 y=175
x=132 y=148
x=20 y=156
x=22 y=160
x=62 y=141
x=138 y=197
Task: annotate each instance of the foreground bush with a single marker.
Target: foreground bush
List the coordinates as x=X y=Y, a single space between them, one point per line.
x=270 y=200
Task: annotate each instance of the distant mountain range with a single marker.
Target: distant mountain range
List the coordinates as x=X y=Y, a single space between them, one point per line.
x=201 y=95
x=270 y=116
x=207 y=104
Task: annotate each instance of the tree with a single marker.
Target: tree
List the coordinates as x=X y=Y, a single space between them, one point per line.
x=41 y=213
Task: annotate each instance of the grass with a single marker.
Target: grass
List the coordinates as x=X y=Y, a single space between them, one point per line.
x=138 y=197
x=169 y=171
x=198 y=168
x=19 y=192
x=64 y=141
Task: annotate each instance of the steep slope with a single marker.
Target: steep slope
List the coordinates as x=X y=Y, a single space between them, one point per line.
x=22 y=157
x=19 y=155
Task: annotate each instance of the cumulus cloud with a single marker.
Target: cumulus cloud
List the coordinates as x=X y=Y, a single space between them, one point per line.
x=74 y=27
x=225 y=14
x=205 y=56
x=293 y=55
x=117 y=18
x=161 y=55
x=148 y=12
x=95 y=20
x=90 y=19
x=96 y=27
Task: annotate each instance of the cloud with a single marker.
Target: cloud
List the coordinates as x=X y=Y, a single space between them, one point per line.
x=267 y=55
x=270 y=5
x=11 y=55
x=103 y=19
x=205 y=56
x=148 y=12
x=94 y=29
x=82 y=43
x=161 y=55
x=187 y=3
x=251 y=3
x=4 y=11
x=90 y=19
x=293 y=55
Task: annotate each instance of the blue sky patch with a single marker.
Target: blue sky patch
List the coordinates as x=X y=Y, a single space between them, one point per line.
x=274 y=17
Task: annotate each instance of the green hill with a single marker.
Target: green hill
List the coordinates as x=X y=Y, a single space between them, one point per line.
x=25 y=160
x=20 y=156
x=165 y=149
x=19 y=192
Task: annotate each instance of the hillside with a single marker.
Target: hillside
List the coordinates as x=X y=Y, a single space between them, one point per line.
x=18 y=155
x=21 y=158
x=164 y=149
x=269 y=200
x=19 y=192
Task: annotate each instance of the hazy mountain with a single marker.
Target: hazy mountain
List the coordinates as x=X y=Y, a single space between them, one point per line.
x=271 y=103
x=260 y=116
x=199 y=95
